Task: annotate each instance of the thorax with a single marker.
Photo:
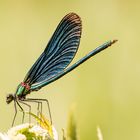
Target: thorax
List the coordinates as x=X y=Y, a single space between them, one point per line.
x=23 y=89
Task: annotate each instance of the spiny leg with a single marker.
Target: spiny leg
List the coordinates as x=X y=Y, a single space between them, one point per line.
x=41 y=100
x=21 y=110
x=22 y=101
x=38 y=105
x=15 y=113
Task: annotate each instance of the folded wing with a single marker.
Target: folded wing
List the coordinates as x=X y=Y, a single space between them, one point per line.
x=59 y=52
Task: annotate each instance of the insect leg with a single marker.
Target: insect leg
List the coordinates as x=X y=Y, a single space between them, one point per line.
x=22 y=101
x=15 y=113
x=16 y=102
x=39 y=105
x=42 y=100
x=21 y=110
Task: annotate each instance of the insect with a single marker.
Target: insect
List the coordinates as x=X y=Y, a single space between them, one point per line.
x=52 y=63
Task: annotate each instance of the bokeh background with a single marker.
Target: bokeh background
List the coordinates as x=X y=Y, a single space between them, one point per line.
x=104 y=91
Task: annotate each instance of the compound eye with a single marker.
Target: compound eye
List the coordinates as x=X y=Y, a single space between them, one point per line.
x=9 y=98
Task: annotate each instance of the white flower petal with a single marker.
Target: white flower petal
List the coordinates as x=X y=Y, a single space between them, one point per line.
x=4 y=137
x=17 y=132
x=55 y=135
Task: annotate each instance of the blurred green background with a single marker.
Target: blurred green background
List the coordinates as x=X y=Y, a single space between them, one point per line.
x=104 y=91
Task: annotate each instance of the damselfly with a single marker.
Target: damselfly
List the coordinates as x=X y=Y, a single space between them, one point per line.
x=52 y=63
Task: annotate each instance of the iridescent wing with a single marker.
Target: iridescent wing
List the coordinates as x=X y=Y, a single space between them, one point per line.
x=59 y=52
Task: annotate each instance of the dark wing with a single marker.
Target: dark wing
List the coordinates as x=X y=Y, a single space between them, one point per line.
x=59 y=52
